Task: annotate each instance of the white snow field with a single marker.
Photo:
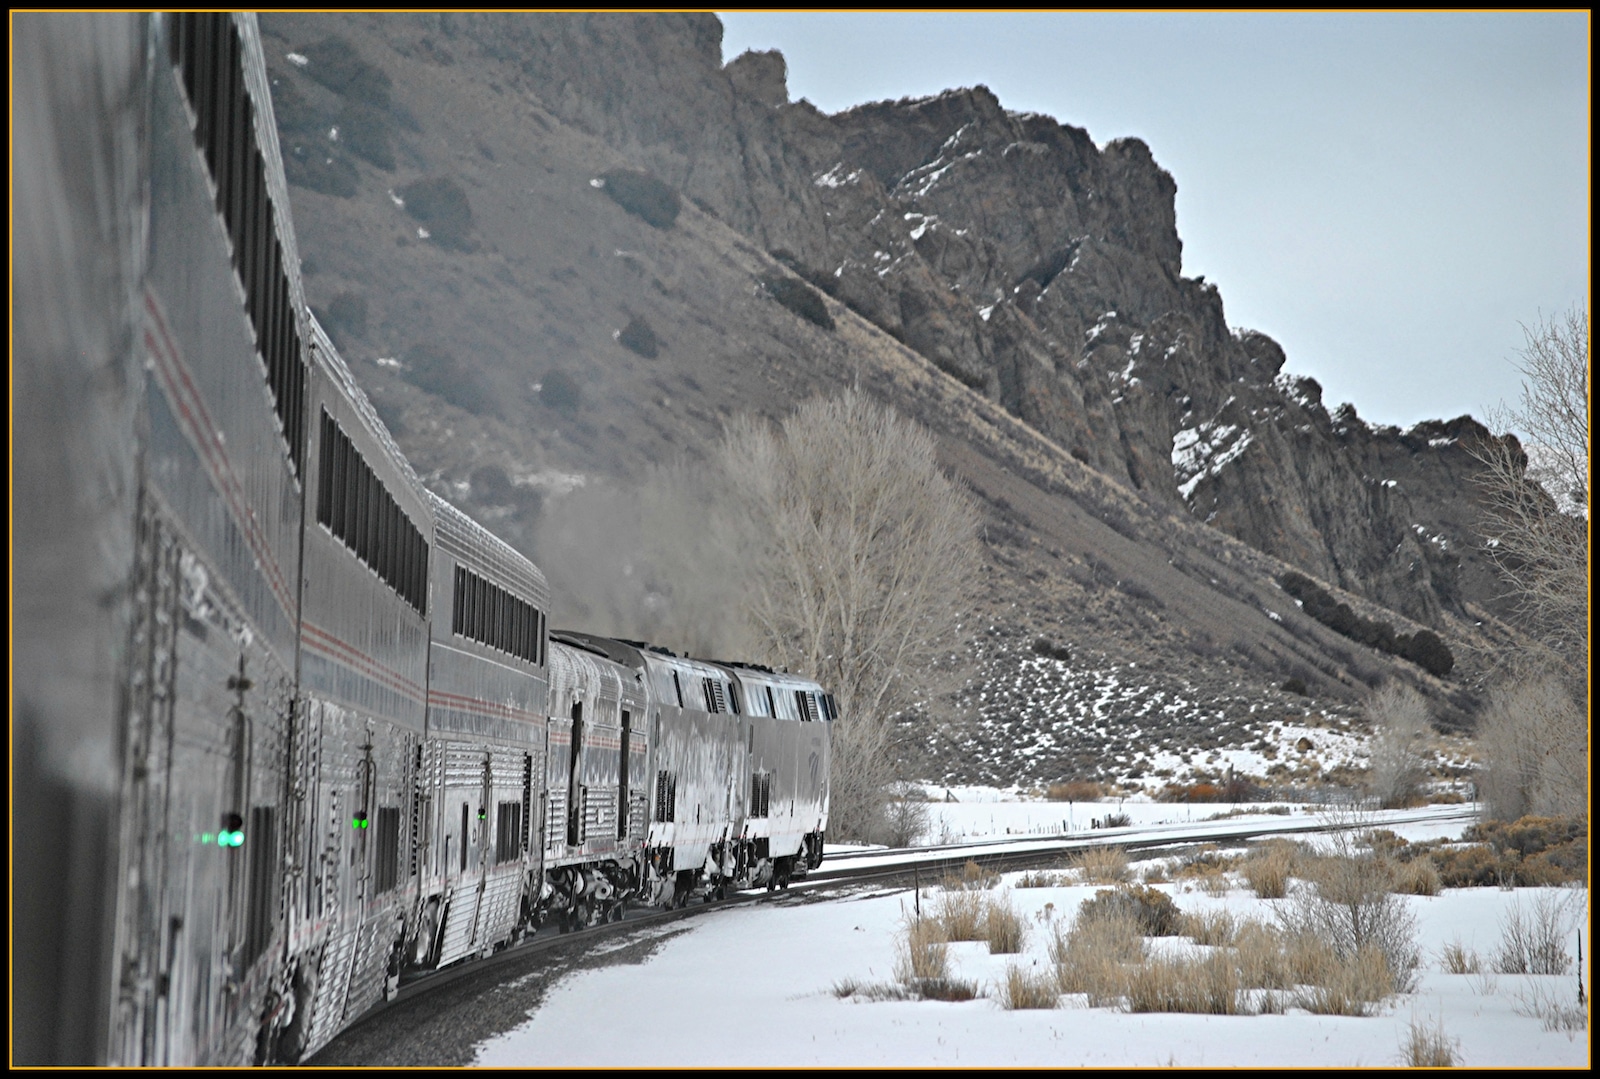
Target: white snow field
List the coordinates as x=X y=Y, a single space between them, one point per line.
x=753 y=986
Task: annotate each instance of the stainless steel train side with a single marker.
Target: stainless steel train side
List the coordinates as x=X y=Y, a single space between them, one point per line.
x=284 y=722
x=164 y=201
x=479 y=819
x=789 y=745
x=79 y=176
x=360 y=721
x=594 y=835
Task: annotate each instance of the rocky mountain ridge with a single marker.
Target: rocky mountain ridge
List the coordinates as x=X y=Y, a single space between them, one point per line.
x=523 y=333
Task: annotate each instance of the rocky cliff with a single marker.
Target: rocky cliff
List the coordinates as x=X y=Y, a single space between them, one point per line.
x=559 y=247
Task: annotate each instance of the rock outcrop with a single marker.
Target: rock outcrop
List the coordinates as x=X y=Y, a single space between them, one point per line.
x=1032 y=265
x=557 y=249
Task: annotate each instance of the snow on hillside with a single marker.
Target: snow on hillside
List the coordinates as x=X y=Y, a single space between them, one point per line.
x=1039 y=718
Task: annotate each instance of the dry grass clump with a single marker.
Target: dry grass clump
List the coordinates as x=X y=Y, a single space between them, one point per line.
x=1154 y=873
x=973 y=878
x=921 y=952
x=1352 y=984
x=1267 y=869
x=1427 y=1046
x=1103 y=865
x=1211 y=928
x=1077 y=790
x=1090 y=957
x=1043 y=879
x=922 y=965
x=1003 y=927
x=1026 y=988
x=1204 y=984
x=960 y=914
x=849 y=987
x=1249 y=968
x=1457 y=958
x=1416 y=877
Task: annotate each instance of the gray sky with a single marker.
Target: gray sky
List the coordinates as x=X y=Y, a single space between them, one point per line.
x=1387 y=195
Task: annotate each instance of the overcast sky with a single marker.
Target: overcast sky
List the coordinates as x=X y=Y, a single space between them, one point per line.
x=1387 y=195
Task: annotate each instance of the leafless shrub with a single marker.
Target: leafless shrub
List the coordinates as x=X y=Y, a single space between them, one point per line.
x=1003 y=927
x=1427 y=1046
x=868 y=560
x=905 y=816
x=1103 y=865
x=1534 y=739
x=1556 y=1010
x=1026 y=988
x=1399 y=718
x=1533 y=936
x=1351 y=906
x=1153 y=910
x=1457 y=958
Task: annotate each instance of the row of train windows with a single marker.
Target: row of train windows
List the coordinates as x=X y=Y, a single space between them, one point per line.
x=490 y=615
x=206 y=49
x=355 y=506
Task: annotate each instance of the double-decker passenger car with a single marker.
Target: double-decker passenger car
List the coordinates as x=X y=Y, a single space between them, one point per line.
x=286 y=723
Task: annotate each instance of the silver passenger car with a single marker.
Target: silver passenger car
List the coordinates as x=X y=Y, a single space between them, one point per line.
x=479 y=814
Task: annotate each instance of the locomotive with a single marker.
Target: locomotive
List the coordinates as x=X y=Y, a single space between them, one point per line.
x=286 y=724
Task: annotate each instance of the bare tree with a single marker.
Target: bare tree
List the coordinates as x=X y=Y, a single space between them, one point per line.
x=1532 y=733
x=1537 y=500
x=865 y=582
x=1535 y=743
x=1400 y=722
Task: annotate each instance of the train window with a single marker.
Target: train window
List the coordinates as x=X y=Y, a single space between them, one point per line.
x=388 y=868
x=490 y=615
x=356 y=507
x=733 y=698
x=715 y=699
x=833 y=706
x=677 y=687
x=807 y=704
x=772 y=705
x=463 y=837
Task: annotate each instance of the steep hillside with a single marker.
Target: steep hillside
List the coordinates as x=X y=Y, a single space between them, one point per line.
x=1146 y=475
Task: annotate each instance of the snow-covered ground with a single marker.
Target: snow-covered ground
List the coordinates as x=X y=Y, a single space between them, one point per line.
x=753 y=986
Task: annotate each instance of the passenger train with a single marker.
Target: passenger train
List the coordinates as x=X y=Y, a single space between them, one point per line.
x=286 y=724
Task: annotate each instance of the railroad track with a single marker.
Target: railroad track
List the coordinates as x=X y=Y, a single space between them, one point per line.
x=907 y=867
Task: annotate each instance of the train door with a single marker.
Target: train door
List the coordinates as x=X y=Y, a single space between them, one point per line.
x=622 y=777
x=575 y=789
